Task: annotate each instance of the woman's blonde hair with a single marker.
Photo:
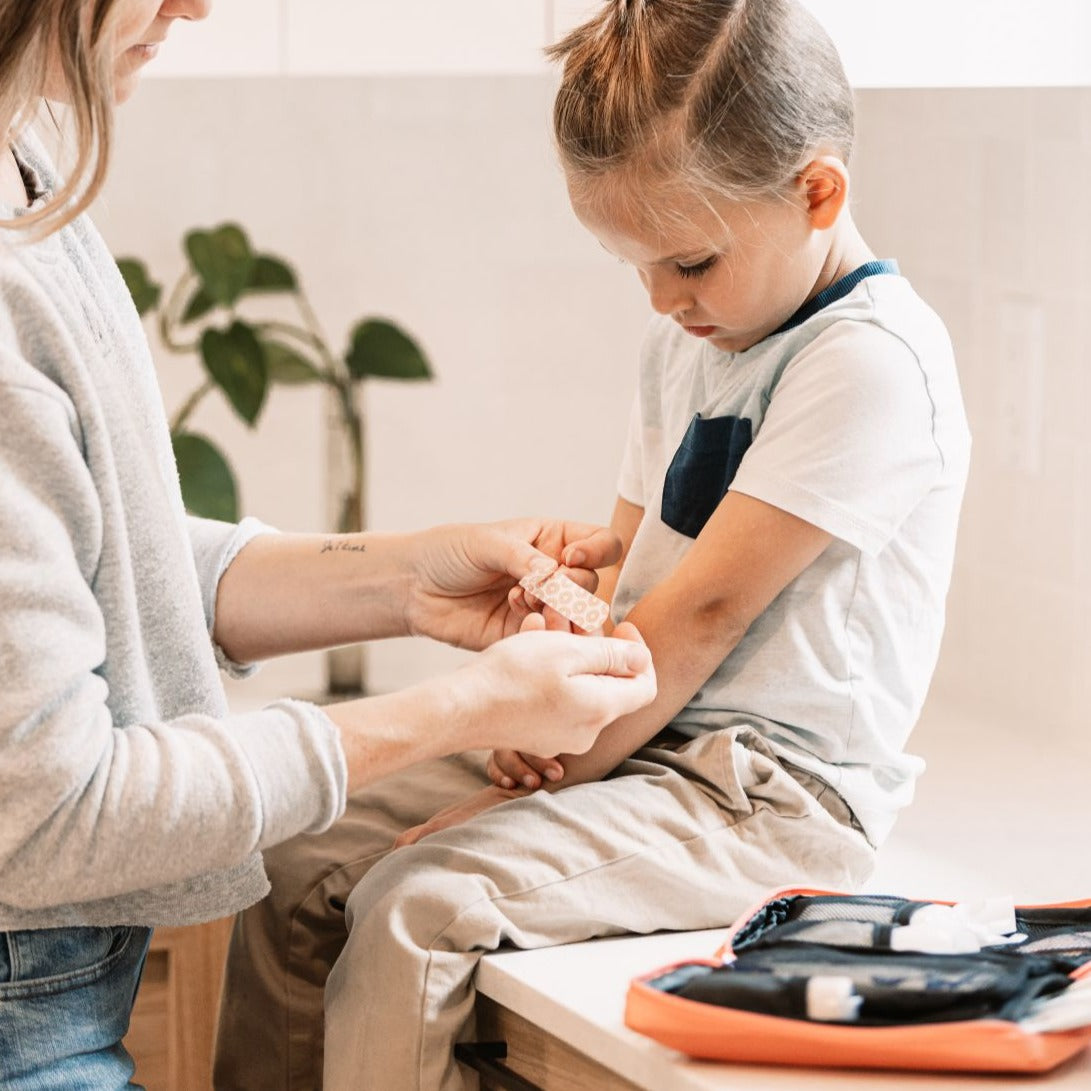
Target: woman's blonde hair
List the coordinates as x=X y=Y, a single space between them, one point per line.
x=72 y=40
x=734 y=97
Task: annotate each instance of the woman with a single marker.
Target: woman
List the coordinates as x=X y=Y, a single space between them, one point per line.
x=130 y=797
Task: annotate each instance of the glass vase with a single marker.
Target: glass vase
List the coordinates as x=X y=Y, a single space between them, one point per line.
x=346 y=506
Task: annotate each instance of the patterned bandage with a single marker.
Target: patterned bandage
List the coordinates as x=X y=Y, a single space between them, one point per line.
x=569 y=599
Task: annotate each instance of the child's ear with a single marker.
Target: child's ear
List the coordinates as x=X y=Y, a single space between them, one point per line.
x=824 y=186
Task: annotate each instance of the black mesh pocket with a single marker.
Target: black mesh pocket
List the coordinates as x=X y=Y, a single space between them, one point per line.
x=840 y=920
x=793 y=942
x=1074 y=945
x=834 y=933
x=895 y=987
x=1063 y=933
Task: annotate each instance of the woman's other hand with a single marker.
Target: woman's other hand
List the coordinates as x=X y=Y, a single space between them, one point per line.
x=538 y=692
x=551 y=692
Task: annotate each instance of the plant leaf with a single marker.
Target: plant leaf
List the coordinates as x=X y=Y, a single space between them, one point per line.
x=287 y=366
x=385 y=351
x=223 y=260
x=270 y=274
x=145 y=292
x=200 y=303
x=208 y=485
x=235 y=361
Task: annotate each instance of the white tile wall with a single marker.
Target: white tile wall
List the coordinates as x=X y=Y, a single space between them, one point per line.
x=335 y=37
x=979 y=194
x=960 y=43
x=437 y=201
x=241 y=38
x=896 y=43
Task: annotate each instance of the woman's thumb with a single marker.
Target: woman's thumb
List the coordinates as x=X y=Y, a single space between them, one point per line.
x=625 y=656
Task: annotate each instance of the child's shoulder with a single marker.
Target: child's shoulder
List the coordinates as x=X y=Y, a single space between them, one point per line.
x=883 y=316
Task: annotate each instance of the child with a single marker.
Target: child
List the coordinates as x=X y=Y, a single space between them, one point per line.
x=789 y=497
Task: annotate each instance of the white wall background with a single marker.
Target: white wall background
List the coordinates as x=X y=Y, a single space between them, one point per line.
x=884 y=43
x=981 y=195
x=436 y=200
x=433 y=198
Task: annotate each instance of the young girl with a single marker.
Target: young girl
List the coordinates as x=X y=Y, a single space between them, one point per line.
x=789 y=496
x=129 y=796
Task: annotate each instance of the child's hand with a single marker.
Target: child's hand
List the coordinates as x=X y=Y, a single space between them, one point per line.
x=509 y=769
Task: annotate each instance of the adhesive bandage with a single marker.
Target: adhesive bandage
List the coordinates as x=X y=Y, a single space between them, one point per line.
x=569 y=599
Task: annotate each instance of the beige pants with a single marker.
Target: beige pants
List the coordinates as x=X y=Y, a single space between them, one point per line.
x=379 y=948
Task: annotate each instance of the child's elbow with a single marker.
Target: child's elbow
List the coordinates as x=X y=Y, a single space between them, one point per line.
x=719 y=621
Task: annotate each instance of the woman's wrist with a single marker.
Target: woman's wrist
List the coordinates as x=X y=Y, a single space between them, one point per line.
x=382 y=734
x=298 y=592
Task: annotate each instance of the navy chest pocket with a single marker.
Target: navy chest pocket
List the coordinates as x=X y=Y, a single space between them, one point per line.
x=702 y=470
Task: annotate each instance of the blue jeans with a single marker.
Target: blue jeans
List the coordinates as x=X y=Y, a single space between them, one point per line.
x=66 y=995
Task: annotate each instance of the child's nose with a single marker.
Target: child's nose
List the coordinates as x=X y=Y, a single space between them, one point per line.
x=668 y=295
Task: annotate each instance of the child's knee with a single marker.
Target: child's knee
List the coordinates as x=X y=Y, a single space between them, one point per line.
x=414 y=890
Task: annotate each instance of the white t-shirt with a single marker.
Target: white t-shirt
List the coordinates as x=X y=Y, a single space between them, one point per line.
x=851 y=418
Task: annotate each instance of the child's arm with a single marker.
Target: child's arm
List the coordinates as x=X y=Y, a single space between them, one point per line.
x=748 y=552
x=624 y=523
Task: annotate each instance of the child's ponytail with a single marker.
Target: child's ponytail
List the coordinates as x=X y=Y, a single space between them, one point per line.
x=614 y=67
x=735 y=95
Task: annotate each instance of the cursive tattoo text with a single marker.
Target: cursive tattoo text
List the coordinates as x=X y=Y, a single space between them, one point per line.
x=332 y=545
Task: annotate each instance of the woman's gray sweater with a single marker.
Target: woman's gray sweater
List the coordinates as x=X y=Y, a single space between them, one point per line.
x=128 y=795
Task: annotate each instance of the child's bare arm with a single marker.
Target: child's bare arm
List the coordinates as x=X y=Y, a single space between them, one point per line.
x=744 y=557
x=623 y=523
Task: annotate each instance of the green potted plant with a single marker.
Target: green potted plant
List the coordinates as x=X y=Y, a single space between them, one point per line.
x=210 y=313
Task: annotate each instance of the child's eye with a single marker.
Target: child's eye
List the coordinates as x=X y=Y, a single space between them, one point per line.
x=697 y=270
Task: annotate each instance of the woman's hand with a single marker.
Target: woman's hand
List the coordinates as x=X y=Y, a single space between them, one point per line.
x=465 y=588
x=456 y=813
x=553 y=692
x=538 y=692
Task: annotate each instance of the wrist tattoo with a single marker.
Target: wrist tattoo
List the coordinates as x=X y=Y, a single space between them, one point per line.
x=332 y=545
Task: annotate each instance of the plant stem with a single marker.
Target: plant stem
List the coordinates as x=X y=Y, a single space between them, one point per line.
x=305 y=338
x=169 y=318
x=354 y=427
x=190 y=404
x=314 y=330
x=351 y=418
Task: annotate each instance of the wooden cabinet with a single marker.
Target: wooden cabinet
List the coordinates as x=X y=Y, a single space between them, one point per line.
x=174 y=1020
x=538 y=1059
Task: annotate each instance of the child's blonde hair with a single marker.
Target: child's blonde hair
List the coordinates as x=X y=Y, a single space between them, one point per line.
x=734 y=97
x=74 y=40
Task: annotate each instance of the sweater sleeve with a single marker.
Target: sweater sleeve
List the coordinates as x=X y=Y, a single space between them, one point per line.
x=215 y=546
x=93 y=808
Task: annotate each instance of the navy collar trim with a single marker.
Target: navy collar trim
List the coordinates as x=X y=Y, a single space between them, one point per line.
x=838 y=290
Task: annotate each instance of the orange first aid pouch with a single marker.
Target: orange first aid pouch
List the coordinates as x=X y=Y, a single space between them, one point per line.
x=819 y=978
